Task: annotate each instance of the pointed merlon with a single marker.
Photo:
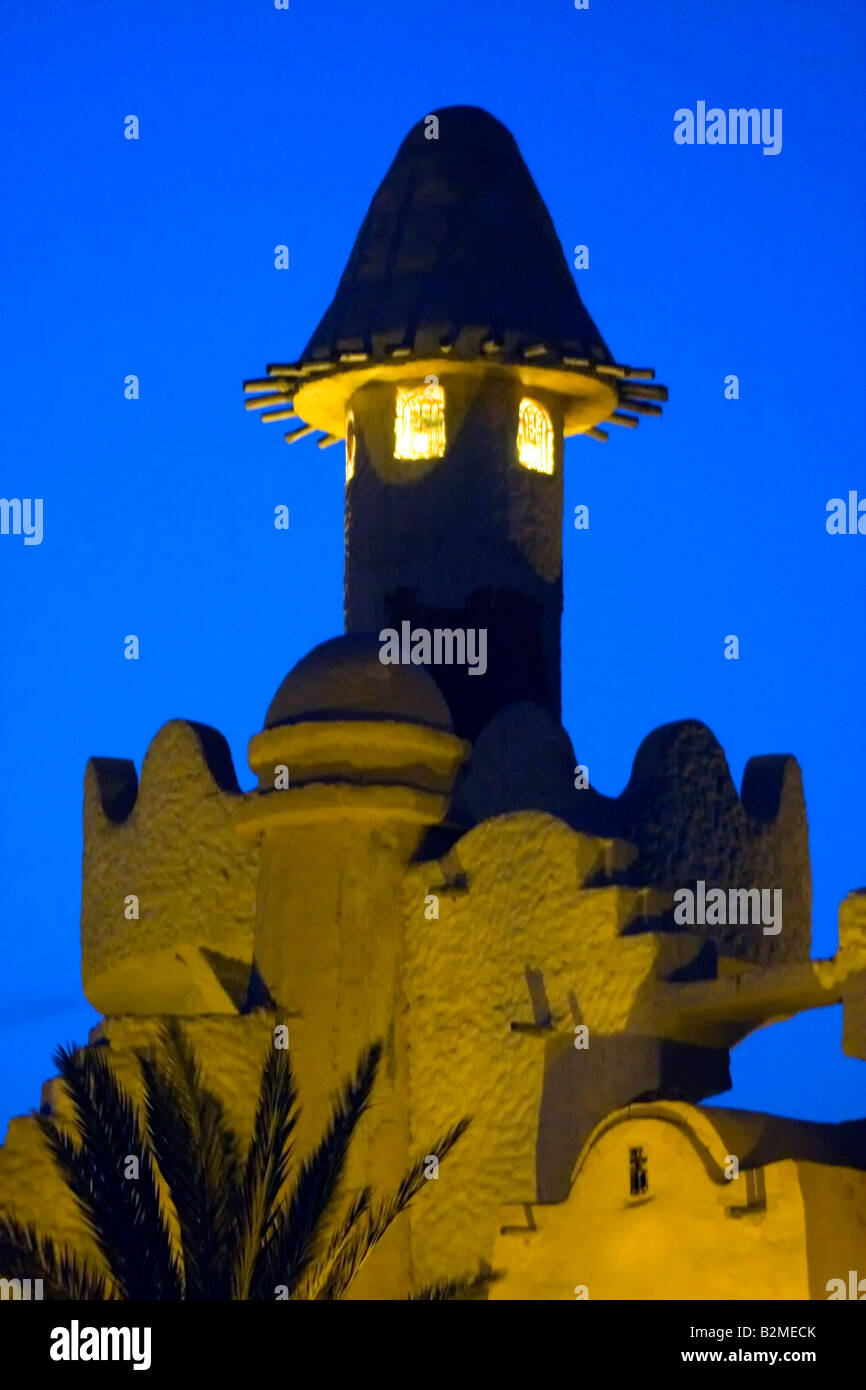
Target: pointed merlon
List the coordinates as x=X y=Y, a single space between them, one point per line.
x=412 y=292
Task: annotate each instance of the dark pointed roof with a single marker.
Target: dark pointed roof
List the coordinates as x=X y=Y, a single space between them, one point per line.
x=457 y=244
x=457 y=268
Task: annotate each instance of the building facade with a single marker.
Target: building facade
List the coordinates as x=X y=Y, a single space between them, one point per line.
x=419 y=862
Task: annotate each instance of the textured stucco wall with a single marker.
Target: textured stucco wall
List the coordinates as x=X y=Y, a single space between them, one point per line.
x=329 y=947
x=852 y=943
x=682 y=811
x=835 y=1200
x=511 y=900
x=176 y=850
x=541 y=927
x=679 y=1241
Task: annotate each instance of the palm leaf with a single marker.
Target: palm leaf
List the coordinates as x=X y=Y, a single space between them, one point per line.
x=124 y=1215
x=197 y=1156
x=266 y=1168
x=360 y=1205
x=356 y=1251
x=240 y=1234
x=291 y=1247
x=26 y=1255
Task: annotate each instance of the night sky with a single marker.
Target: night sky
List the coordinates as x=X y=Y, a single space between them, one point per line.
x=260 y=127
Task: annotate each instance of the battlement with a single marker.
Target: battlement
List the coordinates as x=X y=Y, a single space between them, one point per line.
x=681 y=811
x=168 y=894
x=169 y=887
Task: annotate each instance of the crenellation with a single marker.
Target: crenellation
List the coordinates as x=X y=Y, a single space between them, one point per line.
x=168 y=882
x=419 y=864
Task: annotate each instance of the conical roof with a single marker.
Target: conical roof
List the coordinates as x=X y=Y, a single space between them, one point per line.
x=457 y=245
x=457 y=268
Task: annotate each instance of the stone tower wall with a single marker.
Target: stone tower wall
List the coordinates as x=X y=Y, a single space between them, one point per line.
x=469 y=540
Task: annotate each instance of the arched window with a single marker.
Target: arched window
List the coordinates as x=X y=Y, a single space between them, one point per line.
x=535 y=437
x=419 y=425
x=351 y=443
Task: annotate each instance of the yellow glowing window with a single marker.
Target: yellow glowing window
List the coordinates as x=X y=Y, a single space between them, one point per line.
x=535 y=437
x=419 y=426
x=350 y=447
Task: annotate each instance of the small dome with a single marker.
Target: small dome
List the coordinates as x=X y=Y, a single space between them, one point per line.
x=343 y=678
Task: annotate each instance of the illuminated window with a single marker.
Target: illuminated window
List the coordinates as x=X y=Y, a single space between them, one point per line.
x=535 y=437
x=351 y=442
x=419 y=426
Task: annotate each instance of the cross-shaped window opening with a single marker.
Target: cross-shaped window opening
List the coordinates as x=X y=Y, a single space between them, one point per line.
x=637 y=1172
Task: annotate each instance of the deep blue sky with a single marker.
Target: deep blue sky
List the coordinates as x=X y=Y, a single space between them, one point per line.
x=155 y=257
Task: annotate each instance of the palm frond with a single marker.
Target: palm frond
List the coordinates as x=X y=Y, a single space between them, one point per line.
x=197 y=1156
x=266 y=1168
x=359 y=1206
x=24 y=1254
x=354 y=1254
x=467 y=1288
x=241 y=1234
x=124 y=1214
x=291 y=1246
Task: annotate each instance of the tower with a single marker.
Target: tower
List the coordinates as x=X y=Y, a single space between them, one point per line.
x=507 y=936
x=455 y=358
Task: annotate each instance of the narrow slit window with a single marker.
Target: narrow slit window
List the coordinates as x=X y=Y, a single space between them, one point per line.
x=638 y=1181
x=419 y=426
x=534 y=437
